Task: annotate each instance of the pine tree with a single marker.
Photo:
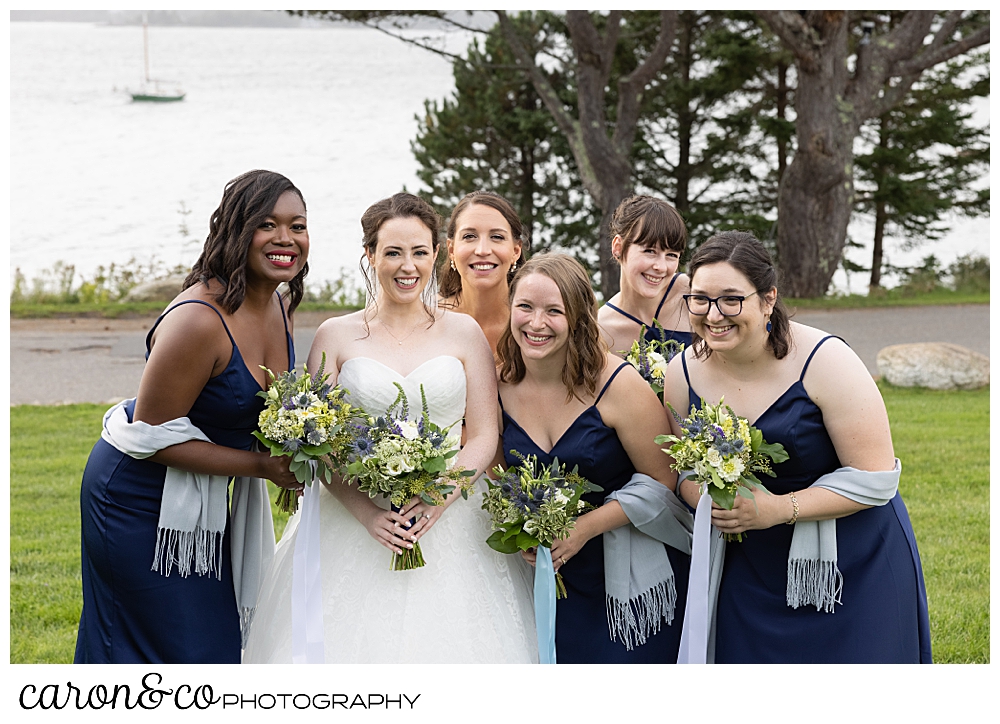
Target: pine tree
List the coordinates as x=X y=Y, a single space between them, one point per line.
x=925 y=158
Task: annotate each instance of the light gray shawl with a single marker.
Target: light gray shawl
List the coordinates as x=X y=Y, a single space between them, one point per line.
x=813 y=576
x=638 y=578
x=193 y=511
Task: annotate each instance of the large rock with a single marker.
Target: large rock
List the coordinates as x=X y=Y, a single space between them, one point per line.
x=937 y=365
x=158 y=290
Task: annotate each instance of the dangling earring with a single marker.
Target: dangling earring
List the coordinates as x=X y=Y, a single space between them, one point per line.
x=513 y=267
x=454 y=268
x=768 y=325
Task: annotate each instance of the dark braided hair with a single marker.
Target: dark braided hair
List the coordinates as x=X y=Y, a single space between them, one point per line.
x=747 y=255
x=246 y=202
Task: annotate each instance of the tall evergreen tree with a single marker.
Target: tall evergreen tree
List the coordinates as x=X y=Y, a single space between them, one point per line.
x=925 y=158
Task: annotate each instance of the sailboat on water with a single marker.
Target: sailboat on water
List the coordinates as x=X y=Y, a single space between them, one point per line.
x=151 y=89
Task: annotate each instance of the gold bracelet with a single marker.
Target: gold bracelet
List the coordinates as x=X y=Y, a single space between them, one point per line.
x=795 y=510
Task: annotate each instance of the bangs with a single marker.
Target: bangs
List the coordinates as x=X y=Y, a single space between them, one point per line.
x=661 y=230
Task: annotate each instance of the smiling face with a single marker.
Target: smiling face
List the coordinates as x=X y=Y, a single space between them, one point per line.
x=403 y=259
x=647 y=270
x=538 y=320
x=280 y=245
x=483 y=248
x=723 y=333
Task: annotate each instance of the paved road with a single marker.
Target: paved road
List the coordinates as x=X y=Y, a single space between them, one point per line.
x=94 y=360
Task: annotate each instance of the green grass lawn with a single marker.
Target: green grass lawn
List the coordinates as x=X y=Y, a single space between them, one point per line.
x=941 y=437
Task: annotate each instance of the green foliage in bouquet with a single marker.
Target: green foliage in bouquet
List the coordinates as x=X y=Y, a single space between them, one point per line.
x=533 y=505
x=307 y=420
x=723 y=452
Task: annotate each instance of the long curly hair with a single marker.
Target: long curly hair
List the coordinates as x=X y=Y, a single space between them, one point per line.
x=586 y=353
x=246 y=202
x=747 y=255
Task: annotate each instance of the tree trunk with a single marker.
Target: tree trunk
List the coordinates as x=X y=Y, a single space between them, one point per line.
x=880 y=217
x=817 y=192
x=782 y=104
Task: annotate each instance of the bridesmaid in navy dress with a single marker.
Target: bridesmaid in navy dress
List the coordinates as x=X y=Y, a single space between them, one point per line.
x=563 y=395
x=808 y=391
x=202 y=362
x=648 y=238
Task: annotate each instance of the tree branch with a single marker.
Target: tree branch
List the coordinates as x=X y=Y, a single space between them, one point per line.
x=794 y=31
x=632 y=86
x=543 y=87
x=931 y=57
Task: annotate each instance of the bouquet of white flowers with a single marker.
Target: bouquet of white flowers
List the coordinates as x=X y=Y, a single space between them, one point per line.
x=529 y=507
x=723 y=451
x=651 y=357
x=306 y=419
x=400 y=458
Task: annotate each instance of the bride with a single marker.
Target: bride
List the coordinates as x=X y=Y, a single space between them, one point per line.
x=468 y=604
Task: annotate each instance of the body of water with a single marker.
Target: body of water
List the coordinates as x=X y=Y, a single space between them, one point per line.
x=96 y=178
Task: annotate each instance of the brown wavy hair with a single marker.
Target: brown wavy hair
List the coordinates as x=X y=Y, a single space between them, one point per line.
x=648 y=222
x=586 y=354
x=246 y=202
x=747 y=255
x=451 y=281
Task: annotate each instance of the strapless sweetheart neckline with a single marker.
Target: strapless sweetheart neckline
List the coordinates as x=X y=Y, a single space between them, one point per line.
x=397 y=372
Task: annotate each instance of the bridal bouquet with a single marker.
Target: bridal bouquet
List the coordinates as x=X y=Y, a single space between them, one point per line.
x=400 y=458
x=651 y=357
x=723 y=451
x=307 y=420
x=532 y=505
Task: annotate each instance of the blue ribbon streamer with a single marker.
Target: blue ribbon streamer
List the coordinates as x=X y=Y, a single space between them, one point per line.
x=545 y=605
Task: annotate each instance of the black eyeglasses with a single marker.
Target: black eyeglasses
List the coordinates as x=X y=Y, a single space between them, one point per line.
x=729 y=305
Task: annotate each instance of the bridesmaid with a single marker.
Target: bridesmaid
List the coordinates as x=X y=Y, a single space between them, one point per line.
x=601 y=416
x=810 y=392
x=203 y=368
x=486 y=244
x=648 y=238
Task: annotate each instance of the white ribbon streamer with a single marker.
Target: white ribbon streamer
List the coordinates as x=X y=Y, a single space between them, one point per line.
x=706 y=565
x=307 y=590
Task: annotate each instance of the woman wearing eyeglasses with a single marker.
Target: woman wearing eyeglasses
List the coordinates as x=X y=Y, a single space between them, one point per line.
x=828 y=569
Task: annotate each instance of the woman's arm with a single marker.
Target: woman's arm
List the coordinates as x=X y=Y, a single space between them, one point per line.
x=385 y=526
x=481 y=428
x=675 y=392
x=190 y=346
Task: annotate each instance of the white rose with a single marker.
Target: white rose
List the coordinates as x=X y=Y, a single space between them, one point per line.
x=394 y=466
x=714 y=457
x=408 y=429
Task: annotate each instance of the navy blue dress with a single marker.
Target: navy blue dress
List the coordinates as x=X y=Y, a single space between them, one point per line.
x=132 y=614
x=883 y=617
x=652 y=333
x=582 y=633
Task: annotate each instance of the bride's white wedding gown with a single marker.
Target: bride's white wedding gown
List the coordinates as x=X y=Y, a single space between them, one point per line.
x=469 y=604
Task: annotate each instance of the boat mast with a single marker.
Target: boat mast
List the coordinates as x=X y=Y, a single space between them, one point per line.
x=145 y=46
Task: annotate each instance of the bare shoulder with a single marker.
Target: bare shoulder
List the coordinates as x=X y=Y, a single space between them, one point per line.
x=835 y=370
x=196 y=325
x=333 y=333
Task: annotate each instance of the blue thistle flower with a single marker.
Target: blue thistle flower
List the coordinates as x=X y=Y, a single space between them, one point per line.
x=291 y=445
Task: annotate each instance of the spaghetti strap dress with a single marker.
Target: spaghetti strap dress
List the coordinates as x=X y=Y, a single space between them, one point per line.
x=132 y=614
x=652 y=333
x=883 y=614
x=582 y=632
